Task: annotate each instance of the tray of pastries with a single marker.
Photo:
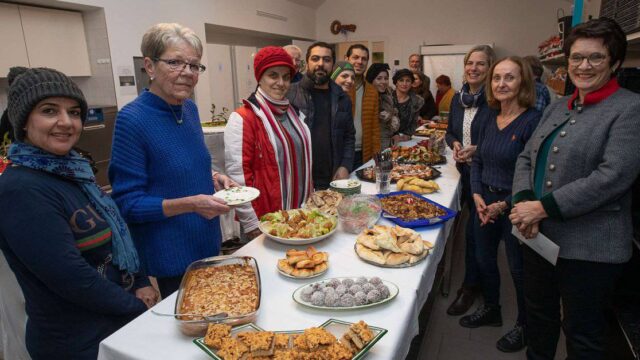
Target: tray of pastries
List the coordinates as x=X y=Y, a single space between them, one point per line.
x=326 y=201
x=391 y=246
x=304 y=264
x=400 y=171
x=420 y=153
x=410 y=209
x=219 y=284
x=334 y=339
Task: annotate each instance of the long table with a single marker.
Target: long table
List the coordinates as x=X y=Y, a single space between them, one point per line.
x=152 y=337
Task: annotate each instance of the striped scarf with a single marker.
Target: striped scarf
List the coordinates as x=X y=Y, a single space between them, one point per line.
x=275 y=131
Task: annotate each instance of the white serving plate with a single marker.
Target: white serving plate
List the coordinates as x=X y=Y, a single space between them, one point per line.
x=238 y=195
x=297 y=296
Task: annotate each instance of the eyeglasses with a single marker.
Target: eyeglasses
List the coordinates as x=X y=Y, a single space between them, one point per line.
x=594 y=59
x=179 y=65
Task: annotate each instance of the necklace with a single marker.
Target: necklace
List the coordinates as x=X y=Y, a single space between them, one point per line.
x=178 y=121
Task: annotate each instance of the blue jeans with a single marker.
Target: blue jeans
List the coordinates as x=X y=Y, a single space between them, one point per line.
x=487 y=240
x=471 y=270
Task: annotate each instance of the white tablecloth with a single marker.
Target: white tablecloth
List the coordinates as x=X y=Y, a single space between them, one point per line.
x=153 y=337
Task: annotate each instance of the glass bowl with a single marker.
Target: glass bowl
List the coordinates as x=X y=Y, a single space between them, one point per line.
x=359 y=212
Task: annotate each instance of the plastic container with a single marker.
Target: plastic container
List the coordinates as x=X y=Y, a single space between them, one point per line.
x=359 y=212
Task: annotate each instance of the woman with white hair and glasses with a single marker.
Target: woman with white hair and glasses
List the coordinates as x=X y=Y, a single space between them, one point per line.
x=160 y=168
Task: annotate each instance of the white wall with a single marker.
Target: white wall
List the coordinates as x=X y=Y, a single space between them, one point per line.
x=514 y=26
x=128 y=20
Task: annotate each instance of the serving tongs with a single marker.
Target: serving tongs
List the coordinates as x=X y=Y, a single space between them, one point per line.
x=210 y=318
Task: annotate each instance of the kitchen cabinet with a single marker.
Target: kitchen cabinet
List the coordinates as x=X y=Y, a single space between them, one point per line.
x=55 y=39
x=11 y=38
x=39 y=37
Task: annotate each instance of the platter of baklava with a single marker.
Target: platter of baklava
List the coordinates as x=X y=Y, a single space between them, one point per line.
x=335 y=339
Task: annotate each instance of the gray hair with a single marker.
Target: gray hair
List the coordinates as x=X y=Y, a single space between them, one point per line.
x=292 y=47
x=161 y=36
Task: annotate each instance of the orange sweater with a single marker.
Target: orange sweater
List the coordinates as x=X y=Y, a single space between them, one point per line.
x=370 y=122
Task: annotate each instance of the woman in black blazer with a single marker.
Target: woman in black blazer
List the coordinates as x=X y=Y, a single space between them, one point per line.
x=469 y=113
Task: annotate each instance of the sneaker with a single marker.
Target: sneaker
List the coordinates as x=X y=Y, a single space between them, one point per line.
x=483 y=316
x=512 y=341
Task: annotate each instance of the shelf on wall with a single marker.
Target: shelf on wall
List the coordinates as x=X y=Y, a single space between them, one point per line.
x=554 y=60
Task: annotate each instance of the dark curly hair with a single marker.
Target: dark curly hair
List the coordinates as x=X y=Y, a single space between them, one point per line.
x=608 y=30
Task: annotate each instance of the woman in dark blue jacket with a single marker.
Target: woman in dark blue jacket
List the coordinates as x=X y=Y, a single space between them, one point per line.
x=510 y=89
x=469 y=113
x=64 y=239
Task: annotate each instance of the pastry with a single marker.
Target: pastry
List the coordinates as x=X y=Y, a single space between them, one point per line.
x=367 y=238
x=397 y=258
x=231 y=349
x=260 y=343
x=391 y=246
x=371 y=255
x=215 y=334
x=359 y=334
x=284 y=266
x=412 y=247
x=304 y=263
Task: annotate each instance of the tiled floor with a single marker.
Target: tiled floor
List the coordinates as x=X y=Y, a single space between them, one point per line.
x=445 y=339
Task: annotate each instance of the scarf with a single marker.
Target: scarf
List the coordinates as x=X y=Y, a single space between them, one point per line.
x=75 y=168
x=276 y=130
x=467 y=99
x=278 y=107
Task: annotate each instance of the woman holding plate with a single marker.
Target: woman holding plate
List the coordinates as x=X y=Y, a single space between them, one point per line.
x=160 y=167
x=267 y=143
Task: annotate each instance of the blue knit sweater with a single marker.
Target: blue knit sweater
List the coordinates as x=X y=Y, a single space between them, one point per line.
x=155 y=158
x=495 y=158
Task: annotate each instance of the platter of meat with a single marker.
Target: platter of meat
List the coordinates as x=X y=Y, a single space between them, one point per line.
x=412 y=210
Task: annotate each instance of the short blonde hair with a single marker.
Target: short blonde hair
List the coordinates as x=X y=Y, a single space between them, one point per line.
x=163 y=35
x=527 y=91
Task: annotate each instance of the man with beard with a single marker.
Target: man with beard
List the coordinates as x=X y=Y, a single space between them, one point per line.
x=416 y=66
x=327 y=111
x=364 y=98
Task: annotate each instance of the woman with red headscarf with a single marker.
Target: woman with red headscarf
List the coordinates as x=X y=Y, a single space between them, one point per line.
x=267 y=144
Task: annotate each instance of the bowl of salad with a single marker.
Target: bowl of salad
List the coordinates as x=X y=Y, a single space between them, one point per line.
x=359 y=212
x=297 y=226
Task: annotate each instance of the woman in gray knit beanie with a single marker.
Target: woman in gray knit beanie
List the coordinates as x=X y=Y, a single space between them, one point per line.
x=65 y=240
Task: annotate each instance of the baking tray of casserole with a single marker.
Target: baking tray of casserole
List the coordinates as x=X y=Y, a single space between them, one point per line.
x=239 y=298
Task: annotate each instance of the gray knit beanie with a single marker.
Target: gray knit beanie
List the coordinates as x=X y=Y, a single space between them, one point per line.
x=27 y=87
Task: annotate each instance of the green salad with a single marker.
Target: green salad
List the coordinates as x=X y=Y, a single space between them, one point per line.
x=298 y=223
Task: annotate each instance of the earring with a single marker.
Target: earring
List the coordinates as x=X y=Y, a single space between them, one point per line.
x=151 y=78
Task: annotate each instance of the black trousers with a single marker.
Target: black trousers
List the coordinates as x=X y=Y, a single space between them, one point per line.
x=168 y=285
x=471 y=268
x=584 y=288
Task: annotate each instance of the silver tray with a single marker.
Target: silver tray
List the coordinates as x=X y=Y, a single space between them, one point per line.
x=199 y=327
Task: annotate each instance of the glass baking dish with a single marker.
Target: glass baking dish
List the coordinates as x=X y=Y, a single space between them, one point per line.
x=191 y=326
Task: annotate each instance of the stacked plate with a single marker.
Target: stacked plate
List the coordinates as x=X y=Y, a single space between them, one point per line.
x=346 y=186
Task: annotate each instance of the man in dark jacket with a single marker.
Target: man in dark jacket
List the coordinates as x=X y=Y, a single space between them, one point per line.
x=327 y=111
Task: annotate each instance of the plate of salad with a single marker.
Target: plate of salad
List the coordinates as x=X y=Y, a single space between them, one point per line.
x=297 y=226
